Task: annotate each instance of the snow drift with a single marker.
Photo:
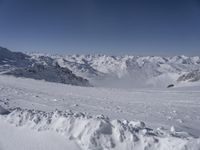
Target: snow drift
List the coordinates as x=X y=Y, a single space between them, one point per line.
x=101 y=133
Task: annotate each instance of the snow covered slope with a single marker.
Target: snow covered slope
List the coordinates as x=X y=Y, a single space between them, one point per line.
x=51 y=73
x=41 y=115
x=8 y=57
x=42 y=68
x=191 y=76
x=11 y=60
x=178 y=107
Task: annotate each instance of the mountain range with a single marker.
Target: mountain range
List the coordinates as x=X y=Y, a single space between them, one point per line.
x=102 y=70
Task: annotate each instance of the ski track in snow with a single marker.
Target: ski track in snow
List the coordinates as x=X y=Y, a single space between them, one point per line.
x=157 y=107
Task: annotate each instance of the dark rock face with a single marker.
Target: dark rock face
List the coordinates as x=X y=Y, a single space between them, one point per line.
x=7 y=54
x=13 y=58
x=44 y=68
x=191 y=76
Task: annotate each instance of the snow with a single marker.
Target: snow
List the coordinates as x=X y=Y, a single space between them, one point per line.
x=157 y=107
x=119 y=71
x=101 y=70
x=190 y=77
x=23 y=138
x=128 y=108
x=86 y=132
x=43 y=68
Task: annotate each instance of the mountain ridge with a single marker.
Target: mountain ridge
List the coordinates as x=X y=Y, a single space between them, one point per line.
x=44 y=68
x=123 y=71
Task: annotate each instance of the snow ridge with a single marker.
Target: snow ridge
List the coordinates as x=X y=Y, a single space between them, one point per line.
x=101 y=133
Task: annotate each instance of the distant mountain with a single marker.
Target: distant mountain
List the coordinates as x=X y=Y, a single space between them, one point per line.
x=13 y=59
x=103 y=70
x=131 y=71
x=42 y=68
x=7 y=55
x=190 y=76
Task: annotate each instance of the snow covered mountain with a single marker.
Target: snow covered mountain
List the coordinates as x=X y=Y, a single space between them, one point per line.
x=44 y=68
x=129 y=71
x=191 y=76
x=35 y=114
x=101 y=70
x=11 y=60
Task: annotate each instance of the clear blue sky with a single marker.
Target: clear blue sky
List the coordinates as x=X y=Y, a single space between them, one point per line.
x=101 y=26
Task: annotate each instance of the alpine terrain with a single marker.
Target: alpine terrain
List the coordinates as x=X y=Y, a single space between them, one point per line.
x=99 y=102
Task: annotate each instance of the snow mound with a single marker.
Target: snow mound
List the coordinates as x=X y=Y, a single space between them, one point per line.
x=101 y=133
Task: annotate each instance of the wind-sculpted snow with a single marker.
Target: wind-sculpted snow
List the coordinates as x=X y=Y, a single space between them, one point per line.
x=101 y=133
